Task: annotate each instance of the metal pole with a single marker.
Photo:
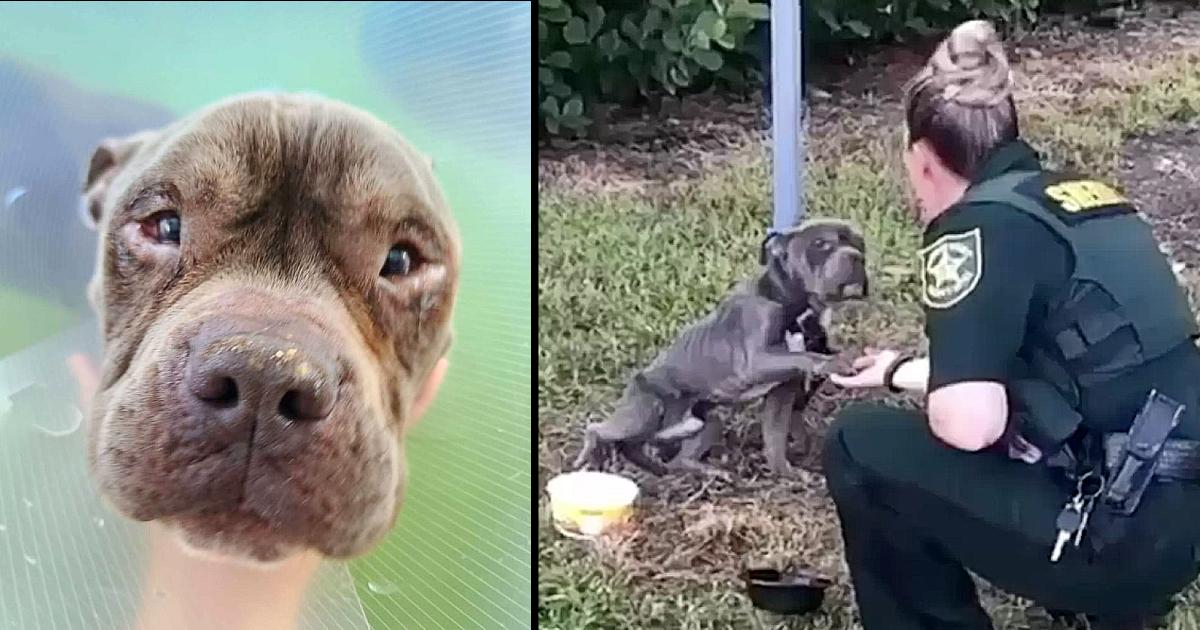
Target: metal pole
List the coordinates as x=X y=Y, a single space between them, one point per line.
x=788 y=117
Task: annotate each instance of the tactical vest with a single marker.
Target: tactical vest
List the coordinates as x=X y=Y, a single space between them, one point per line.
x=1122 y=305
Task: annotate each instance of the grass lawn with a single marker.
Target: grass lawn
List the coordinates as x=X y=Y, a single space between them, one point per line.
x=620 y=270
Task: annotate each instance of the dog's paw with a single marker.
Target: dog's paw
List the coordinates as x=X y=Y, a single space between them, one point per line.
x=839 y=363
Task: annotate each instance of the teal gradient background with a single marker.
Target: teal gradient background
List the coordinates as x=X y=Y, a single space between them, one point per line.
x=455 y=79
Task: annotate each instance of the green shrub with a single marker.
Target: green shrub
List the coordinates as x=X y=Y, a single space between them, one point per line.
x=900 y=20
x=623 y=51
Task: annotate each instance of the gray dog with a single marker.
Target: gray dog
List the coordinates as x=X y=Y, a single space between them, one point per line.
x=275 y=283
x=766 y=338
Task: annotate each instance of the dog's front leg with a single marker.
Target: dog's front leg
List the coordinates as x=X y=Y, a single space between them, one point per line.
x=770 y=365
x=805 y=441
x=776 y=425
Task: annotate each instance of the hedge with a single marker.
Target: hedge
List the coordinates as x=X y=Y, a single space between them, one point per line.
x=622 y=52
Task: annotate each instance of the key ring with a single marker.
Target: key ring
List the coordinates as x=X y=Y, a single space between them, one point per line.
x=1079 y=485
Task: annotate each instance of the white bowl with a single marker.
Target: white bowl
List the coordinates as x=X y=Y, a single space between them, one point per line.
x=587 y=503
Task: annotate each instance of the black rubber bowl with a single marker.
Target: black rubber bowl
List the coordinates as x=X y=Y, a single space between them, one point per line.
x=790 y=593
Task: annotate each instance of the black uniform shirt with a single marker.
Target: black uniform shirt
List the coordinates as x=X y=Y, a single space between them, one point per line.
x=988 y=274
x=988 y=270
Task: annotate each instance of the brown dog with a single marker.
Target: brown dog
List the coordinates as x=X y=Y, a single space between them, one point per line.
x=275 y=283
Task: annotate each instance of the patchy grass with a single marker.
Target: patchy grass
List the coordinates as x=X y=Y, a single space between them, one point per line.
x=620 y=272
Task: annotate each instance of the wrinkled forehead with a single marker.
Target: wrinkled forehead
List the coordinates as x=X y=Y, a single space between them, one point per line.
x=833 y=231
x=298 y=150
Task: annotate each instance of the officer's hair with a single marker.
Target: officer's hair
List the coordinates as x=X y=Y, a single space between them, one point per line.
x=961 y=101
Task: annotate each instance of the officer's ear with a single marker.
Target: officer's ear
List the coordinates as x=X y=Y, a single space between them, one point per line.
x=109 y=158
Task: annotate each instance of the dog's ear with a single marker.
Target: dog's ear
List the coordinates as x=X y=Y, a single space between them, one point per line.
x=107 y=160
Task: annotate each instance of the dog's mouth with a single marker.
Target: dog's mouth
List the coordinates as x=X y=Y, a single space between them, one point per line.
x=238 y=534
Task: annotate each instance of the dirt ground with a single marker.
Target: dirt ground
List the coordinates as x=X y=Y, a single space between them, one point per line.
x=695 y=531
x=1161 y=171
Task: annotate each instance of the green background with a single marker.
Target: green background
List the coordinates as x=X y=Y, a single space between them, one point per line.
x=460 y=554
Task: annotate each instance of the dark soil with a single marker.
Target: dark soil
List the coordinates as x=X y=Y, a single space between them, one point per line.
x=1161 y=173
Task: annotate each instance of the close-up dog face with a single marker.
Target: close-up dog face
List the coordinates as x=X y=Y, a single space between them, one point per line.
x=275 y=282
x=824 y=258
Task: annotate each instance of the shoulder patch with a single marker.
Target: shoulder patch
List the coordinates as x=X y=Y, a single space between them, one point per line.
x=950 y=268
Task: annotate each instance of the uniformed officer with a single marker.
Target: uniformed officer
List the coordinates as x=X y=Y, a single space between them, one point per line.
x=1051 y=316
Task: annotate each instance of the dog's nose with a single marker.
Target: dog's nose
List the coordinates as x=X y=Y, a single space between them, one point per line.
x=259 y=376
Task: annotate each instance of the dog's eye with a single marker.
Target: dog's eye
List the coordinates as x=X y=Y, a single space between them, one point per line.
x=401 y=260
x=822 y=244
x=163 y=227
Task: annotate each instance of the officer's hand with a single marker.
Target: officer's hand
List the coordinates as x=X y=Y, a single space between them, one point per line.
x=869 y=369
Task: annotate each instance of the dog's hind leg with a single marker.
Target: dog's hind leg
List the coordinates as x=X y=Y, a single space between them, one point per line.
x=669 y=441
x=681 y=420
x=635 y=452
x=689 y=450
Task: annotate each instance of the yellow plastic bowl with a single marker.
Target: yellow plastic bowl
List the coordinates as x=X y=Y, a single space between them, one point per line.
x=586 y=503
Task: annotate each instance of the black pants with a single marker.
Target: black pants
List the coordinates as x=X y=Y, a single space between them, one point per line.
x=916 y=514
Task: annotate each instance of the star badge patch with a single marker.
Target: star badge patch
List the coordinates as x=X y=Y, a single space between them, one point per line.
x=950 y=268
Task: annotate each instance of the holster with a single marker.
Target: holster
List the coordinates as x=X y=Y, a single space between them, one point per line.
x=1131 y=470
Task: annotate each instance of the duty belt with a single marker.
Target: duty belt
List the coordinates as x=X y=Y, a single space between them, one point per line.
x=1179 y=460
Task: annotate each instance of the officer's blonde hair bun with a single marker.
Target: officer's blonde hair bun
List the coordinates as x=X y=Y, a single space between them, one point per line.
x=969 y=66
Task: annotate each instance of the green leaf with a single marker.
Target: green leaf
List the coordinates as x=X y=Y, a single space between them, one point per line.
x=559 y=15
x=719 y=6
x=671 y=40
x=727 y=42
x=560 y=89
x=710 y=60
x=651 y=22
x=662 y=4
x=552 y=125
x=545 y=76
x=919 y=25
x=595 y=19
x=574 y=107
x=706 y=22
x=860 y=29
x=829 y=19
x=576 y=122
x=559 y=59
x=940 y=5
x=678 y=76
x=659 y=73
x=615 y=45
x=701 y=41
x=755 y=11
x=550 y=107
x=630 y=29
x=575 y=32
x=550 y=4
x=543 y=31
